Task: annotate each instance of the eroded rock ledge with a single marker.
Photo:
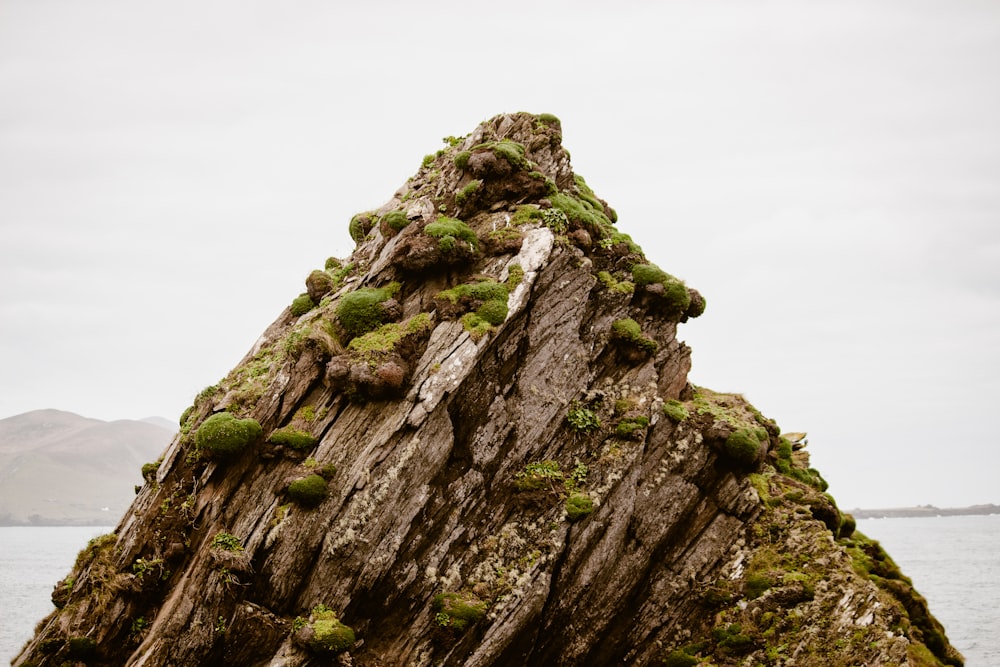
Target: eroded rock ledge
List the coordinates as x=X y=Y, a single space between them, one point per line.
x=473 y=442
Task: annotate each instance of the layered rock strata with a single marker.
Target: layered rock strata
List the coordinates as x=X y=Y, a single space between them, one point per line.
x=473 y=442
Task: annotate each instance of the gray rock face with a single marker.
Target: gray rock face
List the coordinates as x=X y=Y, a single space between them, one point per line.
x=508 y=468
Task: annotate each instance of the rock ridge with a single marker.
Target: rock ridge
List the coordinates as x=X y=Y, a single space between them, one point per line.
x=474 y=442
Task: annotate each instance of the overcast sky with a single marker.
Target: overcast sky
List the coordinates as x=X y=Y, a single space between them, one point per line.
x=826 y=173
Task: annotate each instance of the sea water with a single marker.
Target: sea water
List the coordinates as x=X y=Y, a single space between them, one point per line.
x=32 y=560
x=953 y=561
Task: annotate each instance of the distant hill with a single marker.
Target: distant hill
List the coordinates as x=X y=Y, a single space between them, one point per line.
x=924 y=511
x=58 y=468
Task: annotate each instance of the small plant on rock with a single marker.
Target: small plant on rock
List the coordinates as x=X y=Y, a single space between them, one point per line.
x=539 y=475
x=582 y=420
x=227 y=542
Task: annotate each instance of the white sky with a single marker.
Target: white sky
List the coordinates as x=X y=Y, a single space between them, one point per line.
x=826 y=173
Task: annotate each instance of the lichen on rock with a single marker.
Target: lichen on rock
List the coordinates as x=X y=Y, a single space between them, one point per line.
x=506 y=465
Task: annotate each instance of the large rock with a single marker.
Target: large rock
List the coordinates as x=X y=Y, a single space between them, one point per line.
x=493 y=477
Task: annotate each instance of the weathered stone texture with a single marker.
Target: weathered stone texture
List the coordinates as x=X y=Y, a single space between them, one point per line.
x=430 y=492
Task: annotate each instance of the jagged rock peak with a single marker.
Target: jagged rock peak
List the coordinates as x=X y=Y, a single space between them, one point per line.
x=473 y=443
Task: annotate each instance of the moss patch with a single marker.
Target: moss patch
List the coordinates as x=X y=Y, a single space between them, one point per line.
x=578 y=506
x=672 y=291
x=296 y=438
x=302 y=304
x=223 y=434
x=629 y=332
x=448 y=231
x=455 y=612
x=309 y=491
x=675 y=410
x=361 y=311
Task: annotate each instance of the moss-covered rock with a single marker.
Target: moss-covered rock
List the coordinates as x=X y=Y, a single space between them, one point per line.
x=224 y=435
x=578 y=506
x=292 y=437
x=309 y=491
x=324 y=634
x=455 y=612
x=362 y=310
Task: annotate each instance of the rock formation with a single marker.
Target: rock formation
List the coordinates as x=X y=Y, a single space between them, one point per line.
x=474 y=443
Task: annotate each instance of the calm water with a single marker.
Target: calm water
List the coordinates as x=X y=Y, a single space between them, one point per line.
x=32 y=560
x=953 y=561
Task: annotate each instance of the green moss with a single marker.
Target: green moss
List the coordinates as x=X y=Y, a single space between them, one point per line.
x=302 y=304
x=675 y=410
x=222 y=434
x=587 y=195
x=384 y=340
x=493 y=311
x=457 y=611
x=395 y=220
x=583 y=212
x=578 y=506
x=675 y=293
x=461 y=159
x=755 y=585
x=428 y=160
x=445 y=228
x=627 y=427
x=485 y=290
x=615 y=285
x=525 y=214
x=227 y=542
x=515 y=275
x=647 y=274
x=678 y=658
x=621 y=237
x=847 y=526
x=629 y=331
x=732 y=639
x=295 y=438
x=743 y=445
x=467 y=192
x=361 y=310
x=360 y=225
x=149 y=470
x=491 y=297
x=549 y=119
x=309 y=491
x=329 y=636
x=512 y=152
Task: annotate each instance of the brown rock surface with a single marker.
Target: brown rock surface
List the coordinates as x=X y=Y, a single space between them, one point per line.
x=509 y=493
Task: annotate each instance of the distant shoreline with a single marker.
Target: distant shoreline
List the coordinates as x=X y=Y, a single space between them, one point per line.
x=924 y=511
